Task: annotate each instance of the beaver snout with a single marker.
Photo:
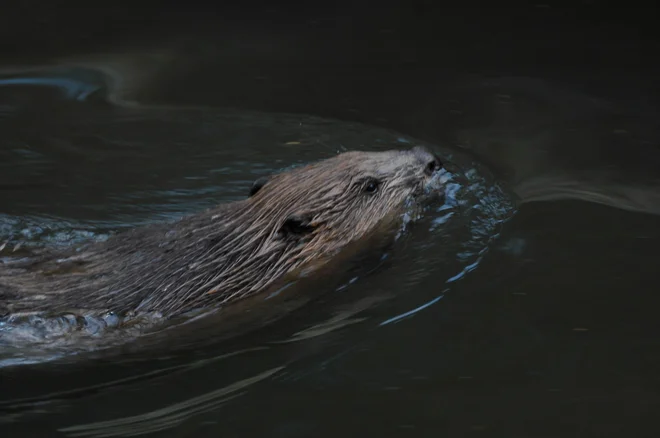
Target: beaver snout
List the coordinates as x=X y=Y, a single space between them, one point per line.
x=429 y=160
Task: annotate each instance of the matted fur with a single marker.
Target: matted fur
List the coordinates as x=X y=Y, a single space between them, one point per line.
x=229 y=252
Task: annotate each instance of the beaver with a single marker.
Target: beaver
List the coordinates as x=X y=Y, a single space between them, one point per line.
x=291 y=221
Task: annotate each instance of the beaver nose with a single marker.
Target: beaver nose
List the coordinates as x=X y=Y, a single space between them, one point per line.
x=430 y=161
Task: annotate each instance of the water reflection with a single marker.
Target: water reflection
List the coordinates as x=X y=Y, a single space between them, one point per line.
x=70 y=88
x=643 y=197
x=555 y=143
x=169 y=416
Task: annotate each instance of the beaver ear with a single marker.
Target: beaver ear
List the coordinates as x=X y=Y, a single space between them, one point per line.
x=258 y=184
x=297 y=225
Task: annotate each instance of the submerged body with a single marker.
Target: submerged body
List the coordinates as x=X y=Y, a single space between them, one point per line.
x=291 y=221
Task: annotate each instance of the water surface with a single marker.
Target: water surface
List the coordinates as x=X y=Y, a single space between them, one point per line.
x=522 y=306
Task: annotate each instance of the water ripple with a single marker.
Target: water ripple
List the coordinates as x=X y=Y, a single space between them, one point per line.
x=169 y=416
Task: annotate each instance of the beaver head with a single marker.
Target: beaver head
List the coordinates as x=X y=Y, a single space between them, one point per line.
x=338 y=200
x=290 y=220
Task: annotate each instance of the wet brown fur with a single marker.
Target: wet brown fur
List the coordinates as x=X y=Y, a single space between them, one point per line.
x=293 y=220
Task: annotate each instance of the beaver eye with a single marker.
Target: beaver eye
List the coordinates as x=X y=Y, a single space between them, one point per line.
x=371 y=186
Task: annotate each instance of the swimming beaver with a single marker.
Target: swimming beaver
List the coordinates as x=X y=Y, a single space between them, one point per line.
x=290 y=221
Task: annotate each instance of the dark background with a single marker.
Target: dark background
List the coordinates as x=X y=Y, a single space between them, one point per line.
x=275 y=54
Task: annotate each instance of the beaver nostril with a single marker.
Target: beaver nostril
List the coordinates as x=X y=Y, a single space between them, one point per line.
x=430 y=161
x=432 y=166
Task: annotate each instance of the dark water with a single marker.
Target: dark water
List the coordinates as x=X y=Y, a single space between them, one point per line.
x=525 y=305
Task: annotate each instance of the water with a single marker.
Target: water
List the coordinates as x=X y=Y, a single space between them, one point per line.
x=524 y=305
